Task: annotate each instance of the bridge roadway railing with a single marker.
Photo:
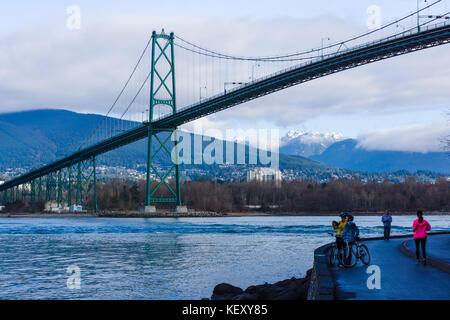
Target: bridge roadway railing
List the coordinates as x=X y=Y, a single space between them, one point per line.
x=305 y=72
x=84 y=154
x=316 y=60
x=438 y=34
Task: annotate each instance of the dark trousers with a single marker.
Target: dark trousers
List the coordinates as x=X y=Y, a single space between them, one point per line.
x=348 y=255
x=387 y=232
x=339 y=243
x=421 y=243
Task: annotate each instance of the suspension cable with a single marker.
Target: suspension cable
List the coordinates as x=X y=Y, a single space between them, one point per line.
x=268 y=58
x=120 y=93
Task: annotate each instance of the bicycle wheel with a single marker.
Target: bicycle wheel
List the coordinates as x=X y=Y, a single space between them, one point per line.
x=350 y=257
x=332 y=256
x=364 y=254
x=340 y=257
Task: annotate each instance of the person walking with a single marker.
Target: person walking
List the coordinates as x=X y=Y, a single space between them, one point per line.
x=420 y=228
x=386 y=219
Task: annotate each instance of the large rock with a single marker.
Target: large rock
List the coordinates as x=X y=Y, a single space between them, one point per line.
x=290 y=289
x=225 y=291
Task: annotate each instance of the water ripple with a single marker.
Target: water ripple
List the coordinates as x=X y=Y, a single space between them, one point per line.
x=162 y=258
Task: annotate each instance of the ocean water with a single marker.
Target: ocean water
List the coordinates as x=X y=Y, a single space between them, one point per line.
x=163 y=258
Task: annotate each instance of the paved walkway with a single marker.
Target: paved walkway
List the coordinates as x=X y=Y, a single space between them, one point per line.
x=438 y=247
x=401 y=278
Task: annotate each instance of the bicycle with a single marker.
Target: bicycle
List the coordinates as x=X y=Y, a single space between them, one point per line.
x=354 y=251
x=333 y=253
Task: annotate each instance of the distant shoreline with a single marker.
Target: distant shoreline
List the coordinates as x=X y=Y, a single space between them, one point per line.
x=200 y=214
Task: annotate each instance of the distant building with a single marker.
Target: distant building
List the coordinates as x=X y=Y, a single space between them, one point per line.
x=265 y=175
x=51 y=206
x=75 y=208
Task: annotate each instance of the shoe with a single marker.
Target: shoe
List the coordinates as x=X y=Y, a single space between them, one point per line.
x=424 y=262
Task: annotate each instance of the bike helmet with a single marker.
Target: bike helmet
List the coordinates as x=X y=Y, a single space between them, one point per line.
x=343 y=214
x=350 y=217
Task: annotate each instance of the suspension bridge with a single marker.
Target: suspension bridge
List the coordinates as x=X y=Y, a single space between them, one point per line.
x=210 y=82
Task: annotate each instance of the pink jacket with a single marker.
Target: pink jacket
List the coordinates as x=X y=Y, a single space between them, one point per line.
x=420 y=229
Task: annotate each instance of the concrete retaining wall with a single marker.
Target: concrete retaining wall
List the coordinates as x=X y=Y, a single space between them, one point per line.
x=321 y=285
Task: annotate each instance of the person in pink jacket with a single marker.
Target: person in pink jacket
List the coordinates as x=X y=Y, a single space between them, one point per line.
x=420 y=228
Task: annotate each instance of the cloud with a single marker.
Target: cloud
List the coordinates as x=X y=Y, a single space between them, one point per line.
x=48 y=66
x=204 y=124
x=416 y=138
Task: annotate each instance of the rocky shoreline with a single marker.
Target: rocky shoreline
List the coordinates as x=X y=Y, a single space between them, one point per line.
x=110 y=214
x=289 y=289
x=160 y=214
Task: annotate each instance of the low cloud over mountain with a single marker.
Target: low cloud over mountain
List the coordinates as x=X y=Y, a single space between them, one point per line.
x=413 y=138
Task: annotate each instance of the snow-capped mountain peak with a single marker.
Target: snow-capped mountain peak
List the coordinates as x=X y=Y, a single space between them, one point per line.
x=292 y=134
x=308 y=143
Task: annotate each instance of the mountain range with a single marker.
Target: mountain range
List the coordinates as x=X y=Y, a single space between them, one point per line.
x=336 y=150
x=306 y=144
x=347 y=154
x=33 y=138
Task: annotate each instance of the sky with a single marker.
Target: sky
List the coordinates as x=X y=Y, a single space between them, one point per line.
x=398 y=104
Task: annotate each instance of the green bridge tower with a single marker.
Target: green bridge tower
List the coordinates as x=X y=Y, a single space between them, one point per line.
x=162 y=94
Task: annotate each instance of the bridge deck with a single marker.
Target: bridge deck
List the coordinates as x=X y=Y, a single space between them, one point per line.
x=374 y=51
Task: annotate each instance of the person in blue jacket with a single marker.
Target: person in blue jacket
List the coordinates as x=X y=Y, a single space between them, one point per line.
x=350 y=234
x=351 y=231
x=387 y=220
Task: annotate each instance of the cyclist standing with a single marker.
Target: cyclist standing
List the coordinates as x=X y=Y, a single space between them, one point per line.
x=339 y=226
x=350 y=233
x=351 y=230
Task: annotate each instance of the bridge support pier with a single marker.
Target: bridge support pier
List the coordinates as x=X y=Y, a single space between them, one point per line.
x=40 y=189
x=149 y=209
x=4 y=197
x=60 y=191
x=33 y=191
x=79 y=195
x=86 y=184
x=69 y=186
x=95 y=184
